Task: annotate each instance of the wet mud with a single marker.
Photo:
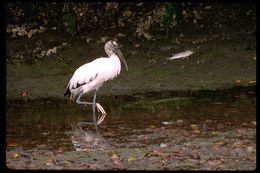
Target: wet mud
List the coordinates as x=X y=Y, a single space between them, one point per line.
x=195 y=131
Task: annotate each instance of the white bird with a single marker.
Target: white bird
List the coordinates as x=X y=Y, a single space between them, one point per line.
x=91 y=76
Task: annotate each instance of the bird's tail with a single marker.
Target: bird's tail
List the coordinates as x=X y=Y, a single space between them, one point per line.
x=67 y=92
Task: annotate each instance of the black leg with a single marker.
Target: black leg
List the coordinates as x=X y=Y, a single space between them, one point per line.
x=94 y=110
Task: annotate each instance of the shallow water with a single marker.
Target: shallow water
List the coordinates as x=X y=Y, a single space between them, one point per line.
x=131 y=121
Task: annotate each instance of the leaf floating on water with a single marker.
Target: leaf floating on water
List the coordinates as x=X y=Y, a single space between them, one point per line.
x=179 y=122
x=137 y=45
x=45 y=133
x=214 y=133
x=244 y=124
x=49 y=162
x=252 y=82
x=196 y=131
x=14 y=155
x=131 y=158
x=41 y=146
x=194 y=127
x=93 y=166
x=163 y=145
x=221 y=142
x=114 y=157
x=238 y=81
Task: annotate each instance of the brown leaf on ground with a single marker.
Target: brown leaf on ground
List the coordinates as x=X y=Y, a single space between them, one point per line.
x=116 y=160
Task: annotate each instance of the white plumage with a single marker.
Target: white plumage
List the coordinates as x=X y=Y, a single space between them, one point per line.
x=91 y=76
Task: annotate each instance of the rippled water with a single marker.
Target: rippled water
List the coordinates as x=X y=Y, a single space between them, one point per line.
x=51 y=123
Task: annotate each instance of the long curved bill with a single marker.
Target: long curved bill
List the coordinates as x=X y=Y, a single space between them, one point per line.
x=122 y=58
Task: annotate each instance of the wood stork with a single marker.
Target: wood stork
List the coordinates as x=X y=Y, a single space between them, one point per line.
x=91 y=76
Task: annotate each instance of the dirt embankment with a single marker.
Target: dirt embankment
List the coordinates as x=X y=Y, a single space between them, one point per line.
x=224 y=56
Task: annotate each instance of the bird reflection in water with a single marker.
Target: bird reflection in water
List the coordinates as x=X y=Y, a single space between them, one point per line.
x=86 y=140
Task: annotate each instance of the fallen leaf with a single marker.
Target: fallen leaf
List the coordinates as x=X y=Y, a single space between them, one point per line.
x=214 y=133
x=121 y=34
x=244 y=124
x=194 y=126
x=24 y=93
x=252 y=82
x=179 y=122
x=221 y=143
x=114 y=156
x=49 y=162
x=157 y=153
x=93 y=166
x=178 y=153
x=238 y=81
x=137 y=45
x=131 y=158
x=250 y=158
x=116 y=160
x=41 y=145
x=239 y=144
x=195 y=131
x=12 y=144
x=214 y=162
x=14 y=155
x=163 y=145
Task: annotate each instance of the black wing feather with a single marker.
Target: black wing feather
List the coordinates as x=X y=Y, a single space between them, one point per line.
x=67 y=92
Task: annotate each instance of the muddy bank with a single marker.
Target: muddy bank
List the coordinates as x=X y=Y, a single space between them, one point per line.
x=224 y=46
x=215 y=64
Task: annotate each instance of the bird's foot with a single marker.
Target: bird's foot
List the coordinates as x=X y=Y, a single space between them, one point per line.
x=103 y=112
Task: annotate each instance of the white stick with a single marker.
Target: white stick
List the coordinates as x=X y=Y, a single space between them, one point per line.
x=181 y=55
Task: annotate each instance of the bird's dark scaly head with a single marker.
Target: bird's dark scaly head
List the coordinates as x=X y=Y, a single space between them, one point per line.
x=111 y=47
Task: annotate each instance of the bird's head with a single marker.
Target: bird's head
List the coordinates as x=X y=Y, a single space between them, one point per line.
x=111 y=47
